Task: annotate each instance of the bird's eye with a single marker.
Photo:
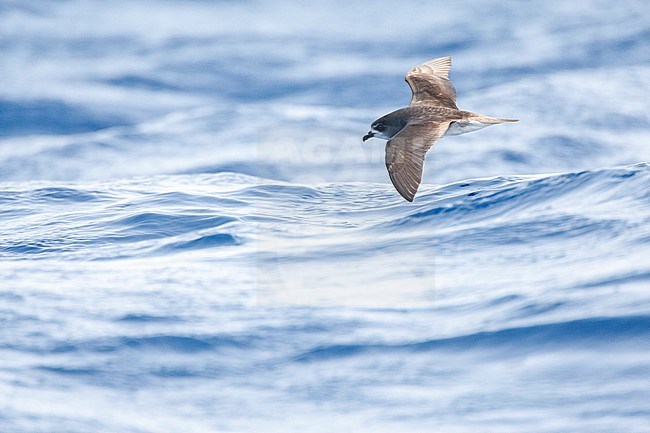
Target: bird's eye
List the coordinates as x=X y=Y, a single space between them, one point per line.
x=380 y=127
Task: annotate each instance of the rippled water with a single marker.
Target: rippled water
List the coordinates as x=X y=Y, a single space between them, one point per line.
x=193 y=237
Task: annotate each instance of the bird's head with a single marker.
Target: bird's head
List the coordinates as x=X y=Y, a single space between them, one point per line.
x=377 y=129
x=385 y=127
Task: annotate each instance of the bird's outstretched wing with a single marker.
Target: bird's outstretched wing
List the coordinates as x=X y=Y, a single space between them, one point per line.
x=405 y=155
x=430 y=83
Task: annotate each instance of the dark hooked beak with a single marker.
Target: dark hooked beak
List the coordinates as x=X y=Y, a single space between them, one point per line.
x=368 y=135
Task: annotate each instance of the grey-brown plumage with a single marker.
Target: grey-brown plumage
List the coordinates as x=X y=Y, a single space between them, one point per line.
x=432 y=113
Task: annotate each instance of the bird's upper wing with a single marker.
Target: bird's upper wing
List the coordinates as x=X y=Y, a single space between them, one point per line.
x=405 y=154
x=430 y=83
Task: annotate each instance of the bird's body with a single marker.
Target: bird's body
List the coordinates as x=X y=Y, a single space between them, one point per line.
x=412 y=130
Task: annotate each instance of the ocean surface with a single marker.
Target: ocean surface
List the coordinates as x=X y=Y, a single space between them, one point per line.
x=194 y=238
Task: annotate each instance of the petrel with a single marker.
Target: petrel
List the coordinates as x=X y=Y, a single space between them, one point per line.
x=432 y=114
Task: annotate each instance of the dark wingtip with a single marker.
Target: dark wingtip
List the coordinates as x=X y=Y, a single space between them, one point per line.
x=407 y=195
x=408 y=198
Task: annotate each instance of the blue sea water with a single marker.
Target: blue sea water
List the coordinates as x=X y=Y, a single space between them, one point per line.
x=193 y=237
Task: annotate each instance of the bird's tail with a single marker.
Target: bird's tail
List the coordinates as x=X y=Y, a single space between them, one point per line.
x=491 y=120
